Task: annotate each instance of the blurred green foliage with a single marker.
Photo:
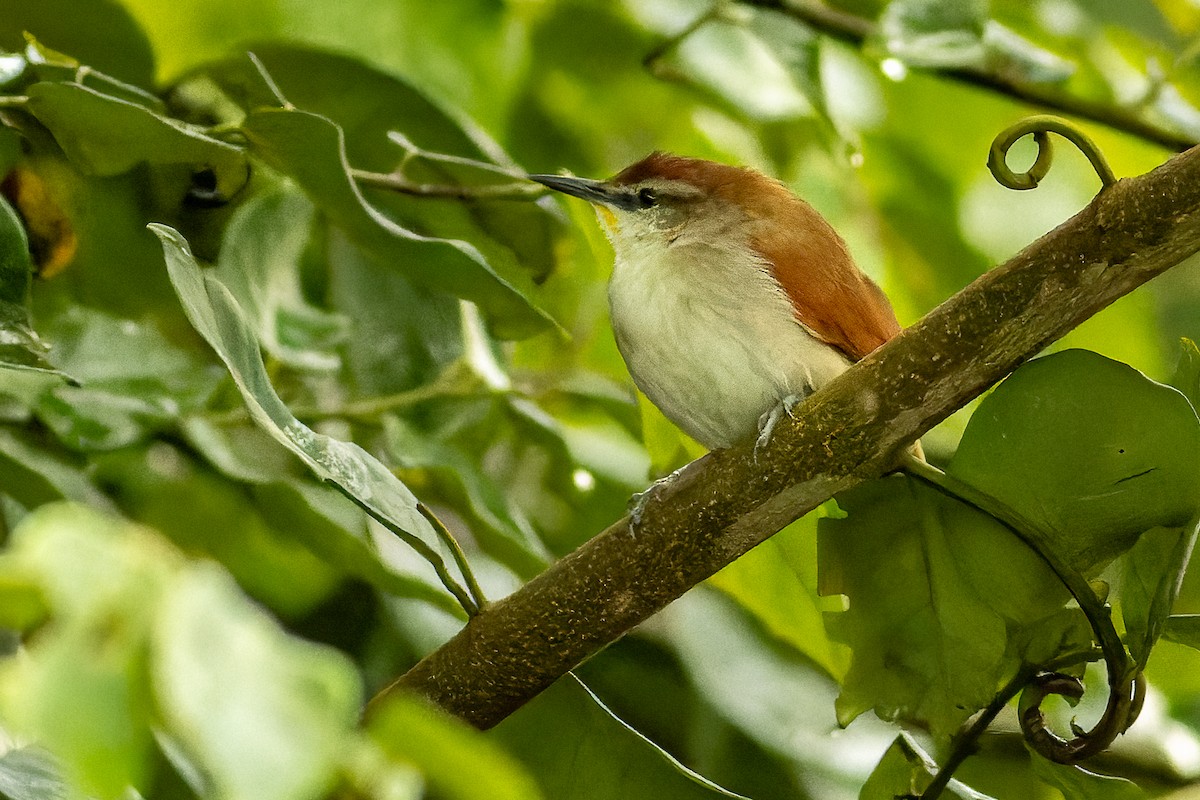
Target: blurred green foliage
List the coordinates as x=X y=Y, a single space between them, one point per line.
x=206 y=616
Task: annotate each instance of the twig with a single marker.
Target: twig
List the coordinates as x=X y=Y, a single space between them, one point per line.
x=855 y=30
x=494 y=191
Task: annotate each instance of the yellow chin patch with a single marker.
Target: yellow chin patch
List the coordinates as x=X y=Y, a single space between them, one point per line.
x=607 y=217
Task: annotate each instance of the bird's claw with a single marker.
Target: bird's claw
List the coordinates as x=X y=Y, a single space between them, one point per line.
x=771 y=418
x=639 y=502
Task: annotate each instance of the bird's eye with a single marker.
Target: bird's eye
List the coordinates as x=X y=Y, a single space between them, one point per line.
x=647 y=197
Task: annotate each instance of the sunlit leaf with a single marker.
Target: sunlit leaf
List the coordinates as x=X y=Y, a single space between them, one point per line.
x=264 y=714
x=29 y=773
x=1077 y=783
x=906 y=771
x=1088 y=448
x=84 y=689
x=457 y=761
x=575 y=747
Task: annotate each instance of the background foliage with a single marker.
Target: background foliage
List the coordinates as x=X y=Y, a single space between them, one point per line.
x=207 y=615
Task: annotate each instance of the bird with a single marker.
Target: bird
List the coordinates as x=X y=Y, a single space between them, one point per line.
x=731 y=299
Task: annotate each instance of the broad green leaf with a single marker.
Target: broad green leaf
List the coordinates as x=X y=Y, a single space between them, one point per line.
x=1183 y=629
x=22 y=602
x=28 y=773
x=310 y=149
x=136 y=380
x=105 y=135
x=20 y=347
x=1087 y=448
x=260 y=265
x=905 y=771
x=83 y=691
x=576 y=747
x=217 y=317
x=1077 y=783
x=457 y=762
x=926 y=644
x=265 y=715
x=240 y=449
x=368 y=104
x=1152 y=572
x=72 y=26
x=776 y=583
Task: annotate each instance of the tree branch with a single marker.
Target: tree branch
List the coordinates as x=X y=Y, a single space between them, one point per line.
x=727 y=502
x=855 y=30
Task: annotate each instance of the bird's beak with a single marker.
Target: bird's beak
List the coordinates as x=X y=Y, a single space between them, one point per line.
x=597 y=192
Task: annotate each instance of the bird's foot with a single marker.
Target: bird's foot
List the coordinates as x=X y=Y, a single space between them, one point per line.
x=637 y=503
x=771 y=418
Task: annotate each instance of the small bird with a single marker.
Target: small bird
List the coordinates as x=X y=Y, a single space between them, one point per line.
x=731 y=298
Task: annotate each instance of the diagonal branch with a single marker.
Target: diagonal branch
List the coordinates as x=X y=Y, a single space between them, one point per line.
x=855 y=30
x=727 y=502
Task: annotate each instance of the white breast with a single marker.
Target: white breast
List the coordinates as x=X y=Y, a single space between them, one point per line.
x=710 y=336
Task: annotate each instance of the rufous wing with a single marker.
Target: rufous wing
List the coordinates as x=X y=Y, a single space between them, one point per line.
x=831 y=296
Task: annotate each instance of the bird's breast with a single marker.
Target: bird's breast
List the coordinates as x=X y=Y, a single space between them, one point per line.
x=710 y=337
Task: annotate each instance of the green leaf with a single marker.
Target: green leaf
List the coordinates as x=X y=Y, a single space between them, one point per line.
x=457 y=762
x=83 y=691
x=368 y=104
x=930 y=33
x=926 y=646
x=402 y=336
x=1087 y=448
x=33 y=473
x=1152 y=573
x=28 y=773
x=71 y=26
x=105 y=135
x=576 y=747
x=1183 y=629
x=265 y=715
x=22 y=603
x=216 y=315
x=1187 y=371
x=260 y=265
x=136 y=380
x=776 y=582
x=496 y=525
x=311 y=150
x=905 y=771
x=20 y=347
x=1077 y=783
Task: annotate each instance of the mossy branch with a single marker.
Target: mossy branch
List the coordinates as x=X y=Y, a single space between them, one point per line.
x=852 y=430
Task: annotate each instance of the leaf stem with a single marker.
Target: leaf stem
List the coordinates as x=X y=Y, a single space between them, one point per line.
x=425 y=551
x=460 y=558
